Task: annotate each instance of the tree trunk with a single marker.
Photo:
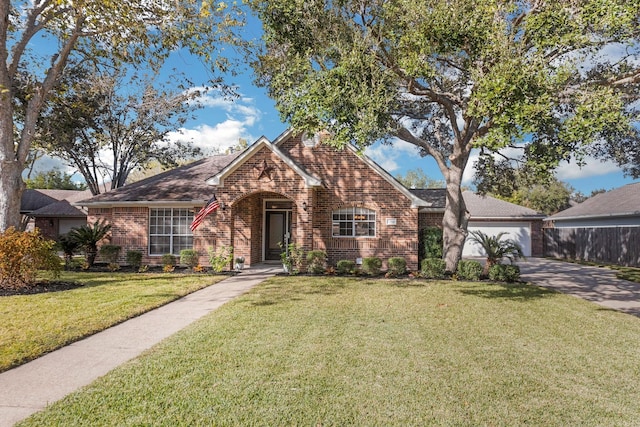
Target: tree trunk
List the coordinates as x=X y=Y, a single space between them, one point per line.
x=11 y=188
x=455 y=220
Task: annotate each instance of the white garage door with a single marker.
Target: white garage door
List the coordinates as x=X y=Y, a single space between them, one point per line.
x=518 y=231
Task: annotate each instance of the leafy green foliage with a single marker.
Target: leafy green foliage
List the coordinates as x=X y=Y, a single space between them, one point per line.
x=416 y=178
x=430 y=243
x=88 y=236
x=495 y=248
x=371 y=266
x=54 y=180
x=504 y=273
x=292 y=257
x=69 y=246
x=220 y=258
x=22 y=254
x=345 y=266
x=134 y=258
x=396 y=266
x=169 y=260
x=433 y=268
x=189 y=257
x=316 y=261
x=110 y=253
x=452 y=76
x=469 y=269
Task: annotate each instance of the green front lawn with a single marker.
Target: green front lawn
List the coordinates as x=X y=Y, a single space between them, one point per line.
x=32 y=325
x=344 y=351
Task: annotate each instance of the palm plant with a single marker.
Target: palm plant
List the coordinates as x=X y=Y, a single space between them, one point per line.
x=68 y=245
x=496 y=249
x=88 y=237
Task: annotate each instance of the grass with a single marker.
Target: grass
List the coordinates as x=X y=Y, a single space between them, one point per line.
x=32 y=325
x=344 y=351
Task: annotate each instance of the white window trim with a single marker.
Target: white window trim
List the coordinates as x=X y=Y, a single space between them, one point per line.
x=354 y=221
x=149 y=235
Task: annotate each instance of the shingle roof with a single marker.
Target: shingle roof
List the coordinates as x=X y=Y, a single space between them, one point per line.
x=33 y=200
x=185 y=183
x=623 y=201
x=478 y=206
x=61 y=208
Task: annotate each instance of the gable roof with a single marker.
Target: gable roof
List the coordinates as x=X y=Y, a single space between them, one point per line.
x=181 y=186
x=623 y=201
x=218 y=178
x=60 y=208
x=415 y=201
x=479 y=207
x=35 y=200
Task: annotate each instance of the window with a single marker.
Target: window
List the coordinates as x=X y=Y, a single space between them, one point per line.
x=354 y=222
x=169 y=231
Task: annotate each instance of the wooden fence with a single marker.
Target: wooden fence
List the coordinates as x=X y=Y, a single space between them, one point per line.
x=615 y=245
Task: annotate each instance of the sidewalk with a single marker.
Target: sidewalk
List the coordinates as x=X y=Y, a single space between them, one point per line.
x=29 y=388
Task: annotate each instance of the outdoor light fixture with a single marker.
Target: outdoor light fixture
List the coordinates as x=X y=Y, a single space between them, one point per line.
x=223 y=206
x=304 y=206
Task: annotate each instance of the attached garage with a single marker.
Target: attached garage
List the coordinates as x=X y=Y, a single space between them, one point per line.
x=489 y=215
x=518 y=231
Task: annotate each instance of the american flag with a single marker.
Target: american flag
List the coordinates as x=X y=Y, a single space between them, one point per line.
x=211 y=206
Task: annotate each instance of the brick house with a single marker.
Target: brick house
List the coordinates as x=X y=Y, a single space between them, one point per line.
x=292 y=189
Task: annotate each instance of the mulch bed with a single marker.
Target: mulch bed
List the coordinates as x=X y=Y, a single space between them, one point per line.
x=41 y=287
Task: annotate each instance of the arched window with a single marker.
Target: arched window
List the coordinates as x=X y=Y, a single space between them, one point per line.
x=353 y=222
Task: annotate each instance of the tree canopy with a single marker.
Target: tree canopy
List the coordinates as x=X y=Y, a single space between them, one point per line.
x=452 y=76
x=39 y=38
x=54 y=179
x=417 y=178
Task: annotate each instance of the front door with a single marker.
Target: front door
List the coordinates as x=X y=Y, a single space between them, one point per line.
x=278 y=230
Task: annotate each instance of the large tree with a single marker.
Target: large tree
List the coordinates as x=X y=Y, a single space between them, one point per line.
x=39 y=37
x=108 y=123
x=451 y=76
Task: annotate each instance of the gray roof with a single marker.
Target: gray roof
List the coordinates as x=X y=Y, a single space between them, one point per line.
x=60 y=208
x=623 y=201
x=478 y=206
x=185 y=183
x=34 y=200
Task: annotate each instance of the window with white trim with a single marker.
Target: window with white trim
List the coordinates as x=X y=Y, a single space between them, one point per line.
x=169 y=231
x=353 y=222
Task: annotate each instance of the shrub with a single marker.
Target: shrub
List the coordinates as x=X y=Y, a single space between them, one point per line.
x=168 y=260
x=69 y=247
x=221 y=258
x=396 y=266
x=371 y=266
x=134 y=259
x=291 y=256
x=430 y=243
x=189 y=258
x=345 y=266
x=504 y=273
x=433 y=268
x=317 y=261
x=88 y=237
x=495 y=248
x=469 y=270
x=110 y=253
x=22 y=254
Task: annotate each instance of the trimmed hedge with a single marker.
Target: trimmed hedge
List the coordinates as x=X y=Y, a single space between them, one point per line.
x=396 y=266
x=469 y=270
x=345 y=266
x=371 y=266
x=433 y=268
x=504 y=273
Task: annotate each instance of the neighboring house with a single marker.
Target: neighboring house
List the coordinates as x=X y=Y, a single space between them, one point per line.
x=51 y=210
x=294 y=189
x=491 y=216
x=603 y=228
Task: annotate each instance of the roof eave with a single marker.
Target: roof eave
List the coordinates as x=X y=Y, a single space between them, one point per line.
x=600 y=216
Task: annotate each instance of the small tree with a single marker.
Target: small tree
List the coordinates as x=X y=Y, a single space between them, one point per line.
x=221 y=258
x=68 y=246
x=88 y=237
x=496 y=249
x=22 y=254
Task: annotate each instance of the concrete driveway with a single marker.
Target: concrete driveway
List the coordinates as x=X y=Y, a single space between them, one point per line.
x=596 y=284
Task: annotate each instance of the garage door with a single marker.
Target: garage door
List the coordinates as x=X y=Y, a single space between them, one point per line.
x=518 y=231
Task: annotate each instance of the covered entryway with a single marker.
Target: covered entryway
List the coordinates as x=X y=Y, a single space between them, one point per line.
x=278 y=218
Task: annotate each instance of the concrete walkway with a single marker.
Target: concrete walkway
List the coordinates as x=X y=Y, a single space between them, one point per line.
x=596 y=284
x=29 y=388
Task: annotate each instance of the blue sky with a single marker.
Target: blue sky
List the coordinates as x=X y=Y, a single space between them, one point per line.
x=221 y=123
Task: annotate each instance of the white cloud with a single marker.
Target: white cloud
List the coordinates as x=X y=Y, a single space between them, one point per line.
x=240 y=115
x=388 y=156
x=593 y=167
